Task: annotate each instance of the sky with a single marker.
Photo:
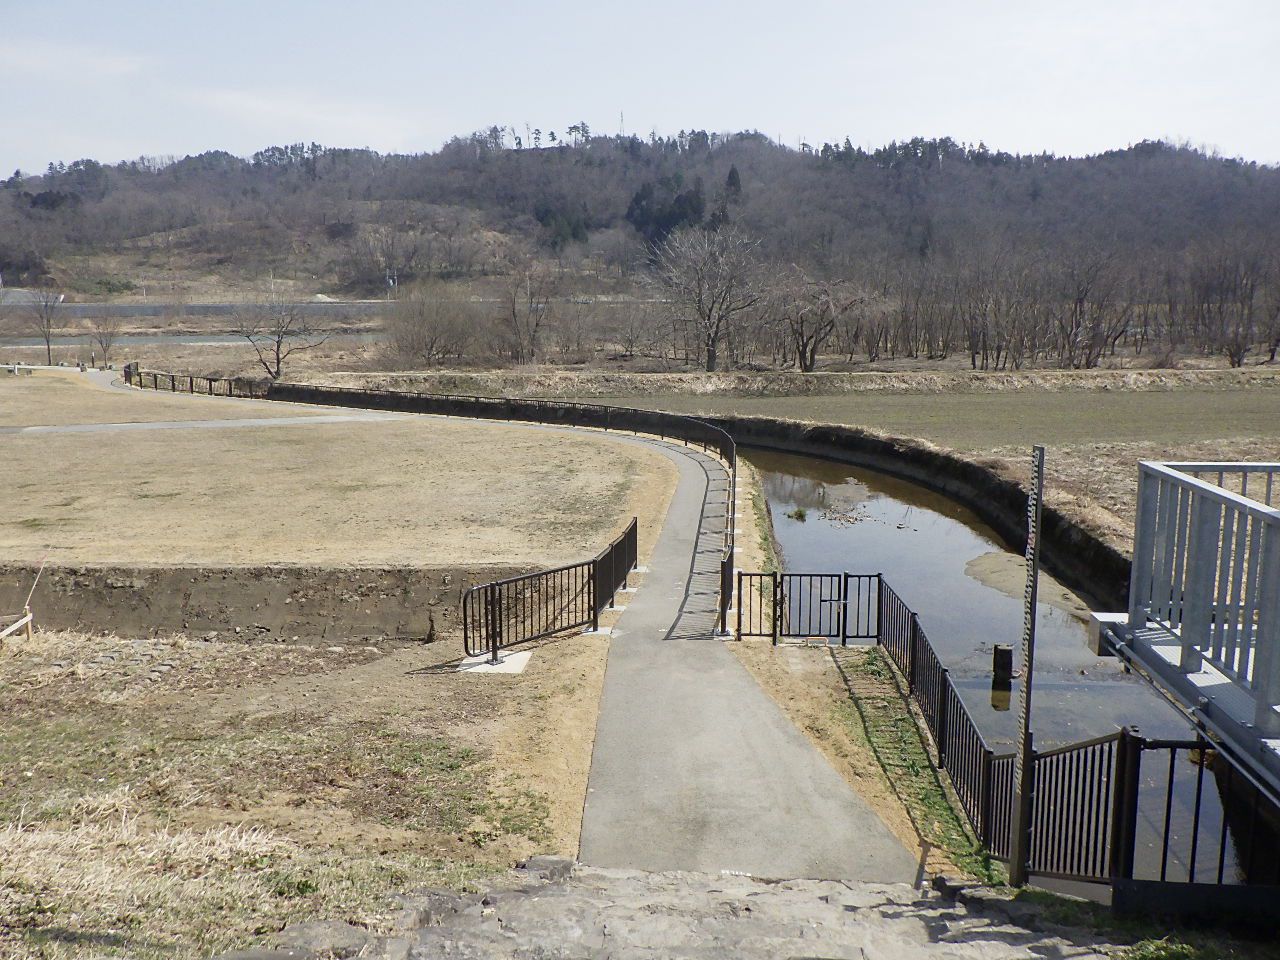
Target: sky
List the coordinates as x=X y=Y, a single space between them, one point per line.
x=117 y=80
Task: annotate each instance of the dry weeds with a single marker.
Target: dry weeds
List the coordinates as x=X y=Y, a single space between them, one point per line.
x=247 y=786
x=56 y=398
x=411 y=492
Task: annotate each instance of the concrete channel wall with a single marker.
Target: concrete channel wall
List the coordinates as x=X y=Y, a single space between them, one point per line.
x=1076 y=556
x=1073 y=554
x=253 y=603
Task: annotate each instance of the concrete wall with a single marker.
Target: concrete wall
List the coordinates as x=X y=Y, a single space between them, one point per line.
x=1073 y=554
x=263 y=603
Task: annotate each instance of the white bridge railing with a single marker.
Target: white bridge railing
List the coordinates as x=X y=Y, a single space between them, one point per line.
x=1206 y=572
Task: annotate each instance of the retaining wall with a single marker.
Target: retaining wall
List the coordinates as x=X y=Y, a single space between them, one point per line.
x=264 y=603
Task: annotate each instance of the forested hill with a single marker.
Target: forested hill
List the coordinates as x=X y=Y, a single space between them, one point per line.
x=480 y=200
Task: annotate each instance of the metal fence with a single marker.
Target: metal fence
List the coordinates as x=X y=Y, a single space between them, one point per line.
x=1206 y=573
x=511 y=611
x=661 y=424
x=186 y=383
x=1093 y=803
x=812 y=606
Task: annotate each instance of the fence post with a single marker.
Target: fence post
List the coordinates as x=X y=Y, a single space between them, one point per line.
x=911 y=653
x=879 y=609
x=773 y=578
x=1266 y=669
x=1024 y=789
x=466 y=633
x=844 y=610
x=986 y=800
x=1124 y=803
x=592 y=576
x=495 y=635
x=1141 y=577
x=741 y=603
x=943 y=688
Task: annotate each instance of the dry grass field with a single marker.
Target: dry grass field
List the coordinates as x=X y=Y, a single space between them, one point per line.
x=56 y=397
x=339 y=352
x=411 y=491
x=174 y=796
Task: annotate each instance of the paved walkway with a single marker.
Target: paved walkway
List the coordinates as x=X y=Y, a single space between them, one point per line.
x=695 y=767
x=199 y=424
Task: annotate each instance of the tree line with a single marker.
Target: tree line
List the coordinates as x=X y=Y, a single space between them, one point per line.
x=921 y=248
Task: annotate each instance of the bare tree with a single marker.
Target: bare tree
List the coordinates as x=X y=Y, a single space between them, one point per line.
x=43 y=318
x=526 y=306
x=104 y=330
x=426 y=327
x=713 y=275
x=811 y=309
x=276 y=330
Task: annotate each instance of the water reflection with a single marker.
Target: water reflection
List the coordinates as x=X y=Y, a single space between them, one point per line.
x=966 y=586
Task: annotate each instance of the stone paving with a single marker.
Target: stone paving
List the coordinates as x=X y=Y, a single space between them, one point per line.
x=554 y=909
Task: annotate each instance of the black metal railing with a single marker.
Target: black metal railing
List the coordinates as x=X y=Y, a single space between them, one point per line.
x=536 y=605
x=1072 y=810
x=661 y=424
x=1215 y=824
x=1093 y=804
x=244 y=387
x=830 y=606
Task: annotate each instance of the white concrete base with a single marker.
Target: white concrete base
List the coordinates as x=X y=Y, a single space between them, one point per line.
x=603 y=631
x=641 y=570
x=627 y=590
x=507 y=663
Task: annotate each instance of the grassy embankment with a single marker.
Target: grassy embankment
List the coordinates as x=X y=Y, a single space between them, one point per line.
x=176 y=796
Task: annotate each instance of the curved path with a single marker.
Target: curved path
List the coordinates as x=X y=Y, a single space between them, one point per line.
x=695 y=768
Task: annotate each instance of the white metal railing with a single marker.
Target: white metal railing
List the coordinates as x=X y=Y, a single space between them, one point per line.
x=1206 y=568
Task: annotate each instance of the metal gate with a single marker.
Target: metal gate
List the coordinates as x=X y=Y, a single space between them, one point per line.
x=833 y=607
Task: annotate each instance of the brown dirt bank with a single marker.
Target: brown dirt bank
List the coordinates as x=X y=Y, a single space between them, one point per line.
x=253 y=603
x=553 y=382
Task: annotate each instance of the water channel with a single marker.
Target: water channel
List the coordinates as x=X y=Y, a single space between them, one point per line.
x=966 y=586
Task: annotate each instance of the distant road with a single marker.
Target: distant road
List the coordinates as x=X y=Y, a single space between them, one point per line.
x=338 y=309
x=320 y=308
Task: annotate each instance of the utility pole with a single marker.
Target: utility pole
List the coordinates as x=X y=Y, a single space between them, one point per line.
x=1024 y=759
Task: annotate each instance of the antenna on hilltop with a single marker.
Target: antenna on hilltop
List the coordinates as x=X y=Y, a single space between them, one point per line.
x=622 y=125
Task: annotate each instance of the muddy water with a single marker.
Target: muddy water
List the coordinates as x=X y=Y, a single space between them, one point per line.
x=966 y=586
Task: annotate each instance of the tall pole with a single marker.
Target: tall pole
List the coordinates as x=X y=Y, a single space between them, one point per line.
x=1023 y=778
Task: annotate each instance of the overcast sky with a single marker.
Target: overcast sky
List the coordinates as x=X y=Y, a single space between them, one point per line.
x=115 y=80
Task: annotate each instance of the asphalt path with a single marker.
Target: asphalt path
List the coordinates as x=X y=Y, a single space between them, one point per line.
x=694 y=768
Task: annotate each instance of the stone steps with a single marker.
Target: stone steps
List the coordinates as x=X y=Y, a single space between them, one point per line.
x=554 y=909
